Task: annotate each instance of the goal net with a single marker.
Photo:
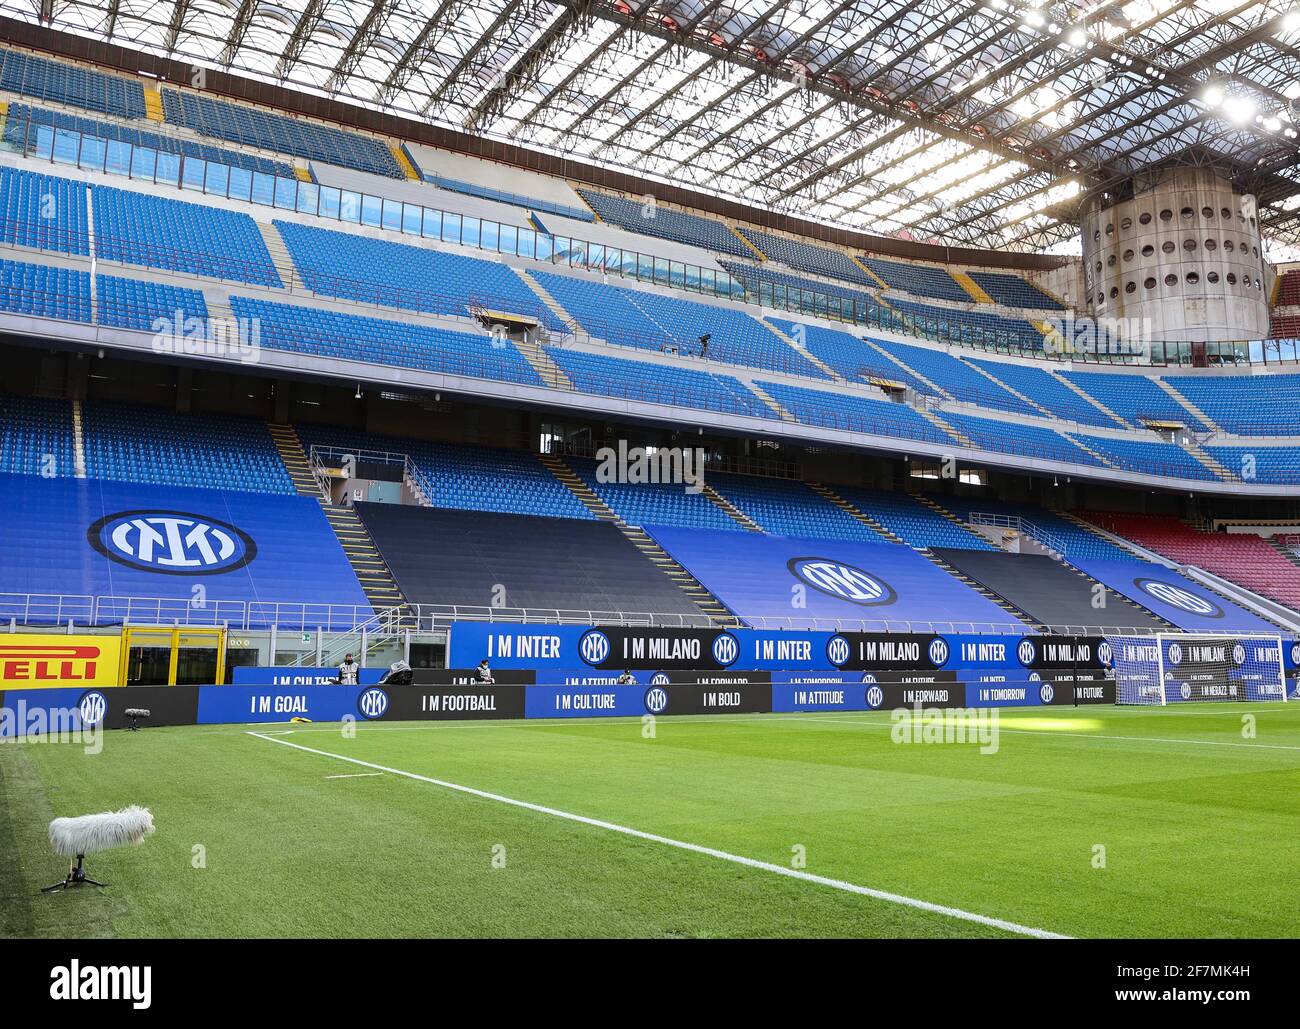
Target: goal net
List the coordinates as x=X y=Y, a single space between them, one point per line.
x=1174 y=668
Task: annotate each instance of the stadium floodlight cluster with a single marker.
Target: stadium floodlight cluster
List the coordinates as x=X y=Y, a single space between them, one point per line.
x=1170 y=668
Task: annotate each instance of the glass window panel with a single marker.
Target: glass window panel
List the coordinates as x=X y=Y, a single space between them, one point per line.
x=241 y=184
x=41 y=140
x=329 y=201
x=218 y=179
x=350 y=206
x=411 y=218
x=286 y=193
x=432 y=223
x=308 y=197
x=371 y=210
x=263 y=188
x=450 y=227
x=392 y=214
x=66 y=146
x=143 y=162
x=92 y=152
x=508 y=238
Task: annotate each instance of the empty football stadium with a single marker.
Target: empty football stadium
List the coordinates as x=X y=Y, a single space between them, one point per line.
x=649 y=469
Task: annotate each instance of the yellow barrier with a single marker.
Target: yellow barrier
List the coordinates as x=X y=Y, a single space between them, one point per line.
x=44 y=662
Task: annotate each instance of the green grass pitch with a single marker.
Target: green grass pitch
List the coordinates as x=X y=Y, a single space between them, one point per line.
x=1198 y=823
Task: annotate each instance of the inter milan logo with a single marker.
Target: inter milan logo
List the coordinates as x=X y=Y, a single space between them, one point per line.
x=1175 y=654
x=1177 y=596
x=875 y=697
x=1046 y=693
x=660 y=679
x=1104 y=653
x=1186 y=691
x=1295 y=653
x=844 y=582
x=938 y=651
x=92 y=708
x=373 y=703
x=1239 y=654
x=1026 y=652
x=171 y=542
x=594 y=647
x=656 y=700
x=837 y=650
x=725 y=649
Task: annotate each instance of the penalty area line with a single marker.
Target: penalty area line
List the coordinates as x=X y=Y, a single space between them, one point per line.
x=694 y=848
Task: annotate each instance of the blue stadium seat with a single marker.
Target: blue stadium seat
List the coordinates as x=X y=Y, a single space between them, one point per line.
x=1279 y=465
x=1019 y=438
x=1135 y=397
x=974 y=328
x=251 y=126
x=957 y=378
x=651 y=321
x=651 y=503
x=657 y=383
x=1041 y=386
x=921 y=280
x=765 y=285
x=152 y=445
x=379 y=271
x=847 y=354
x=1013 y=291
x=787 y=507
x=854 y=413
x=158 y=232
x=43 y=212
x=36 y=130
x=918 y=524
x=70 y=84
x=350 y=337
x=1150 y=457
x=44 y=291
x=36 y=436
x=1249 y=405
x=665 y=223
x=135 y=304
x=807 y=257
x=468 y=478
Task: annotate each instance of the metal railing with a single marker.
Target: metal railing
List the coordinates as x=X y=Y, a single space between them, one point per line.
x=62 y=609
x=438 y=616
x=1022 y=525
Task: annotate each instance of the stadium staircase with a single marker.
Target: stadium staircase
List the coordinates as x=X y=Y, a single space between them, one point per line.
x=798 y=348
x=547 y=369
x=972 y=287
x=279 y=253
x=856 y=512
x=1186 y=404
x=78 y=440
x=938 y=390
x=944 y=426
x=770 y=401
x=1093 y=401
x=1210 y=461
x=1012 y=390
x=870 y=274
x=545 y=296
x=731 y=509
x=372 y=573
x=708 y=604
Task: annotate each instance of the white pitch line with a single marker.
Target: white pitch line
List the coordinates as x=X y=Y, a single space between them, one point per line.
x=355 y=775
x=695 y=848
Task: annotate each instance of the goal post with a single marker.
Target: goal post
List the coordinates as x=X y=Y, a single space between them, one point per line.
x=1176 y=668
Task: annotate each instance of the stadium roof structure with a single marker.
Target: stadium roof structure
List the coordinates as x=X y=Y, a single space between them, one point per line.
x=963 y=122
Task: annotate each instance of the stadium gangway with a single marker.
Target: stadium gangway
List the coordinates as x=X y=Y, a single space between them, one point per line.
x=436 y=616
x=386 y=627
x=1023 y=525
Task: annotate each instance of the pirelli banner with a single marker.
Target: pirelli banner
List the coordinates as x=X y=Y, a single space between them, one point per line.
x=50 y=661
